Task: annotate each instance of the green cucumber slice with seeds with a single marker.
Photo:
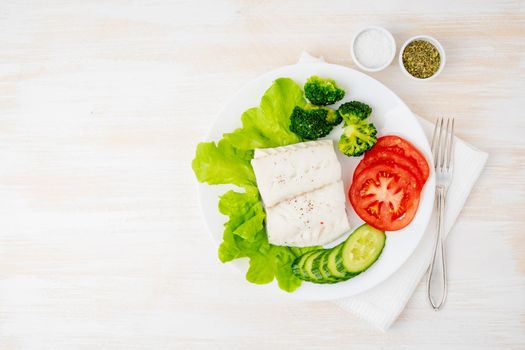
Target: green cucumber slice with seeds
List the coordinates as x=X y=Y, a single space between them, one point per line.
x=323 y=268
x=335 y=263
x=311 y=267
x=362 y=248
x=298 y=266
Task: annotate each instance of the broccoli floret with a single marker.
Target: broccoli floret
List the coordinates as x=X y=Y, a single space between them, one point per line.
x=310 y=123
x=322 y=92
x=354 y=111
x=332 y=117
x=357 y=138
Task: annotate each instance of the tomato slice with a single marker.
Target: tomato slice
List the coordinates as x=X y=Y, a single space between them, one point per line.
x=385 y=155
x=405 y=148
x=385 y=196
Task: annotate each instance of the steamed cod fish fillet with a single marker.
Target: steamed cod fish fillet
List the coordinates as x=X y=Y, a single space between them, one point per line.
x=302 y=192
x=314 y=218
x=285 y=172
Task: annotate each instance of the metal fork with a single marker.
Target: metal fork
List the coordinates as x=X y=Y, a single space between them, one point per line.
x=442 y=145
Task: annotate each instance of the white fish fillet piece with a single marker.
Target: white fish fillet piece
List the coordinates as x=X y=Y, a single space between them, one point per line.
x=314 y=218
x=286 y=172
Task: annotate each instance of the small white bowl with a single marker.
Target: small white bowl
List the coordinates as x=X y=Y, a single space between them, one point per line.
x=389 y=61
x=433 y=42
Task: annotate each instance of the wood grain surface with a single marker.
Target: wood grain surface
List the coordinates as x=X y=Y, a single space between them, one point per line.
x=102 y=244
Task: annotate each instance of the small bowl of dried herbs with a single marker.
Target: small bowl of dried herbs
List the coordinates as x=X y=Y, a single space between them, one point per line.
x=422 y=57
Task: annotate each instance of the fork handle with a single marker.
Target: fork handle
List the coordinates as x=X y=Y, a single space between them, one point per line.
x=438 y=256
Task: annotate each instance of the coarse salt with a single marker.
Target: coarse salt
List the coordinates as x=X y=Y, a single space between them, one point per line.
x=373 y=48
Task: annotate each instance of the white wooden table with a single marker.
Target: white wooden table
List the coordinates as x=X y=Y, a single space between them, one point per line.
x=102 y=245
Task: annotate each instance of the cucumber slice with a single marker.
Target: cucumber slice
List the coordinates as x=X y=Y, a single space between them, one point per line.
x=327 y=276
x=322 y=265
x=334 y=264
x=298 y=266
x=311 y=267
x=362 y=248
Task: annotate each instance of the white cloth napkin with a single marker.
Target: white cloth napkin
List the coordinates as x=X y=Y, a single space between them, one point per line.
x=382 y=305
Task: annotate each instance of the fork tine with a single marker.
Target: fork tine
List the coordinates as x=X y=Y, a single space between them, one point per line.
x=446 y=141
x=450 y=146
x=444 y=146
x=439 y=147
x=434 y=140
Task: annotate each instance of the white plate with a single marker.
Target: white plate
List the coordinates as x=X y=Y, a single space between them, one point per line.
x=390 y=115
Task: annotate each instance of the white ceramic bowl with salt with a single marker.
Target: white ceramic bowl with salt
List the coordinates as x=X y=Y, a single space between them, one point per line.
x=373 y=48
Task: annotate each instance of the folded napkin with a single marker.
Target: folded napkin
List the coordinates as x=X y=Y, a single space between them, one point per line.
x=382 y=304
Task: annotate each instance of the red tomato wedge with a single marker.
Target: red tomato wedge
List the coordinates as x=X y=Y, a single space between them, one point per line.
x=385 y=155
x=385 y=196
x=406 y=149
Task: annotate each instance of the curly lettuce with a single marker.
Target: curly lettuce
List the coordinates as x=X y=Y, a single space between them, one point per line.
x=269 y=124
x=228 y=162
x=222 y=163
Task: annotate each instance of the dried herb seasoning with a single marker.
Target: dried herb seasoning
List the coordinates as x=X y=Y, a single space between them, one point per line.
x=421 y=59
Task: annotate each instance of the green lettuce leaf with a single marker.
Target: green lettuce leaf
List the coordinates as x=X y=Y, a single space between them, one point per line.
x=262 y=270
x=228 y=162
x=245 y=211
x=221 y=163
x=283 y=273
x=269 y=124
